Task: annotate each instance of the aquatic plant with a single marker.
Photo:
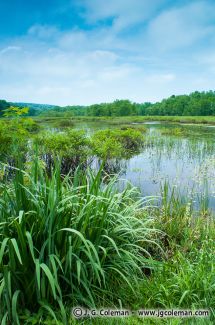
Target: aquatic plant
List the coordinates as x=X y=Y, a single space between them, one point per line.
x=71 y=147
x=137 y=127
x=176 y=131
x=116 y=143
x=63 y=123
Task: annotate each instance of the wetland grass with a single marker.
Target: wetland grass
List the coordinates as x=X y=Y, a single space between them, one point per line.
x=74 y=240
x=67 y=241
x=138 y=119
x=68 y=237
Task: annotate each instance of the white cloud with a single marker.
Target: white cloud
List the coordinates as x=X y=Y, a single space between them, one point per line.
x=162 y=57
x=182 y=27
x=10 y=49
x=124 y=13
x=43 y=31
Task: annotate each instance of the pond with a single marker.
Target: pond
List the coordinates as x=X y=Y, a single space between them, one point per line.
x=185 y=163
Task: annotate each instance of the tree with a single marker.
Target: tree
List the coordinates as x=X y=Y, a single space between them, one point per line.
x=13 y=111
x=3 y=105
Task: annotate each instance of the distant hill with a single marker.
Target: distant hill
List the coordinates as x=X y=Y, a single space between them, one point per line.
x=35 y=109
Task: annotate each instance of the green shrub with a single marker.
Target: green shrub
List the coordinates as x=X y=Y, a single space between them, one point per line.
x=108 y=144
x=5 y=138
x=13 y=139
x=64 y=123
x=72 y=147
x=29 y=124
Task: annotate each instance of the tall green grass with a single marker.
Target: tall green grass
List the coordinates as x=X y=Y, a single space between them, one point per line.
x=185 y=279
x=67 y=241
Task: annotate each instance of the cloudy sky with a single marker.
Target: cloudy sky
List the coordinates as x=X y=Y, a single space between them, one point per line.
x=90 y=51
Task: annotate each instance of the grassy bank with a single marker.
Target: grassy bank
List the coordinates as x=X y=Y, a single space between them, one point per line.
x=130 y=119
x=68 y=241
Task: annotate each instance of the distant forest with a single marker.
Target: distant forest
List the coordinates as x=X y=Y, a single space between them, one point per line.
x=195 y=104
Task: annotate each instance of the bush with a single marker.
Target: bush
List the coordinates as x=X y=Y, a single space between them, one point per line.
x=13 y=139
x=29 y=124
x=71 y=147
x=63 y=123
x=108 y=144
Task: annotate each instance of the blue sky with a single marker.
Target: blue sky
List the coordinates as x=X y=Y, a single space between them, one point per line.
x=89 y=51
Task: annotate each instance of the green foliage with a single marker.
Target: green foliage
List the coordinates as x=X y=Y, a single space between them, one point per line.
x=14 y=135
x=70 y=143
x=63 y=123
x=186 y=278
x=185 y=281
x=74 y=240
x=117 y=108
x=71 y=147
x=5 y=138
x=195 y=104
x=29 y=124
x=3 y=106
x=140 y=128
x=105 y=145
x=67 y=242
x=13 y=111
x=116 y=143
x=173 y=131
x=36 y=109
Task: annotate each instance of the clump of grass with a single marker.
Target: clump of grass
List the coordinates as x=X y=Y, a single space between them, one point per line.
x=140 y=128
x=67 y=242
x=173 y=131
x=185 y=278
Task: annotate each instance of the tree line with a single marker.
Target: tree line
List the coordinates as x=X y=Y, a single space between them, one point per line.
x=194 y=104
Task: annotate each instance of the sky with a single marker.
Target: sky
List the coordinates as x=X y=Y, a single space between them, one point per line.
x=80 y=52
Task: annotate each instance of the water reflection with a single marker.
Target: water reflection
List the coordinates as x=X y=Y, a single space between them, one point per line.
x=185 y=163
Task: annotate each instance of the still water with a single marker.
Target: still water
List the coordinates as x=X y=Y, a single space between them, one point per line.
x=186 y=163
